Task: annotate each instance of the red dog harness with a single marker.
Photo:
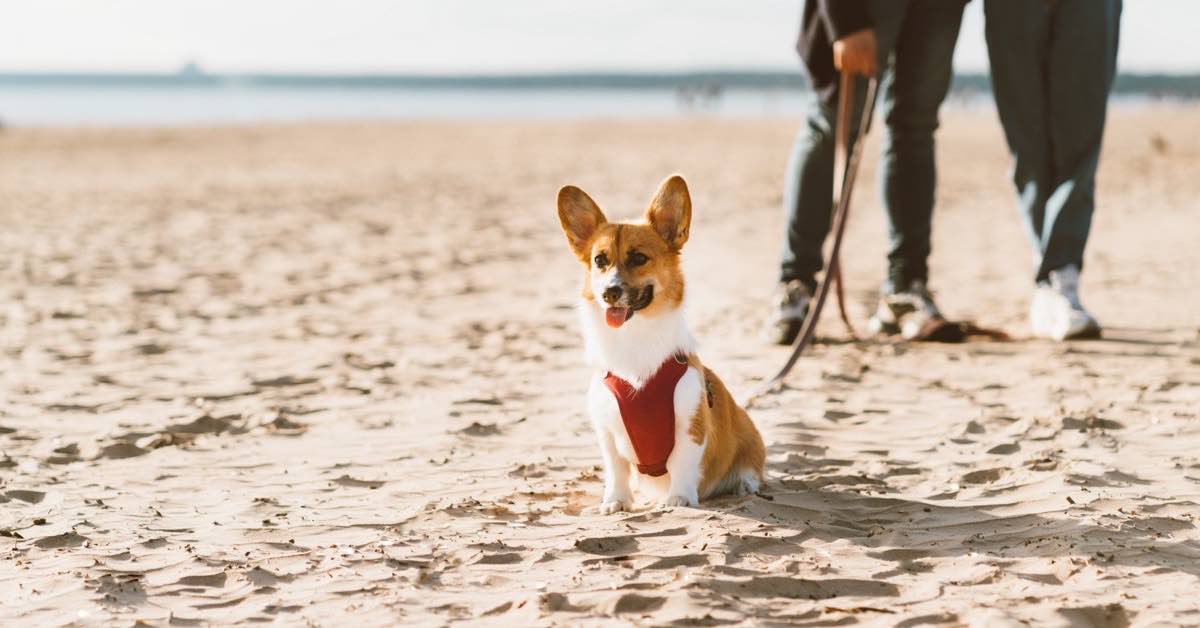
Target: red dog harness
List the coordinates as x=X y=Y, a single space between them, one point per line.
x=649 y=413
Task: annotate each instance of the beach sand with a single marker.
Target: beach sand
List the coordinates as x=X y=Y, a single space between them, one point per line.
x=304 y=373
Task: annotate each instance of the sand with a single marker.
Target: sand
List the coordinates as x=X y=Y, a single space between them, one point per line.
x=302 y=373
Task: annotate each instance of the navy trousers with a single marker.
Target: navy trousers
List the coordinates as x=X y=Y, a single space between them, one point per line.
x=1053 y=63
x=916 y=41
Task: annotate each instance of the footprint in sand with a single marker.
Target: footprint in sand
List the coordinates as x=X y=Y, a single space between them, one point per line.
x=739 y=546
x=60 y=541
x=635 y=603
x=683 y=560
x=214 y=580
x=1091 y=423
x=480 y=429
x=350 y=482
x=503 y=558
x=607 y=545
x=29 y=497
x=800 y=588
x=982 y=476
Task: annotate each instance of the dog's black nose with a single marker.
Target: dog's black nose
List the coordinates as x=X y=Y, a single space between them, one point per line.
x=612 y=294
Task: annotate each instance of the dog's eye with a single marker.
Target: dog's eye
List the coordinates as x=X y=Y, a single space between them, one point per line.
x=636 y=259
x=601 y=261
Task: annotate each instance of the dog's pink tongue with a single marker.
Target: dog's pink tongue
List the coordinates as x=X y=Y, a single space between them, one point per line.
x=615 y=316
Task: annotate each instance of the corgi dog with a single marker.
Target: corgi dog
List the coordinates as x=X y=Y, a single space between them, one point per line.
x=659 y=414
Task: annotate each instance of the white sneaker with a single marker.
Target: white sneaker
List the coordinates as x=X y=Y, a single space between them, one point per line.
x=1056 y=312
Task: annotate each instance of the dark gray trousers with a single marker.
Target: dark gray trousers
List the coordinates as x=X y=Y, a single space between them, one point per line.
x=916 y=45
x=1053 y=63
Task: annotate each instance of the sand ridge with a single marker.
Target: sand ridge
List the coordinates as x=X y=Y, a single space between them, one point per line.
x=306 y=372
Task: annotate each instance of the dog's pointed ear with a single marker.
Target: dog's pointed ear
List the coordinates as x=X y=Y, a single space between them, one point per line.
x=670 y=212
x=580 y=217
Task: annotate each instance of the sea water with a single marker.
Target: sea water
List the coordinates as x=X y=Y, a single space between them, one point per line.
x=127 y=105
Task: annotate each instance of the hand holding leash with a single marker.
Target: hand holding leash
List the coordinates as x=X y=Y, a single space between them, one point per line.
x=856 y=53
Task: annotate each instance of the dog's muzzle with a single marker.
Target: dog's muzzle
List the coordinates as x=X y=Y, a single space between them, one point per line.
x=623 y=301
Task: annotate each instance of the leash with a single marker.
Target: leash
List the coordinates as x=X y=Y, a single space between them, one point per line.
x=847 y=154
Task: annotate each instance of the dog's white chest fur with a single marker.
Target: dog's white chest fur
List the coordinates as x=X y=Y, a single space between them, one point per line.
x=634 y=352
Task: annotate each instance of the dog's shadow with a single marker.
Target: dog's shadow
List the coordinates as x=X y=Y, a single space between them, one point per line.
x=810 y=497
x=833 y=525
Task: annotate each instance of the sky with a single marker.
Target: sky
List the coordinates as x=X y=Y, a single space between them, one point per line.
x=479 y=36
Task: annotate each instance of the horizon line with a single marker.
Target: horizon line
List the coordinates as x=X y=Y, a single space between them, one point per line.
x=192 y=76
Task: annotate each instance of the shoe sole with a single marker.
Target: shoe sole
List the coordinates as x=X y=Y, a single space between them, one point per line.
x=1092 y=332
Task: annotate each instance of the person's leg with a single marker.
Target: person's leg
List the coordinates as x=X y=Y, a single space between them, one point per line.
x=1052 y=66
x=808 y=194
x=807 y=189
x=808 y=211
x=913 y=90
x=808 y=186
x=1018 y=39
x=1081 y=65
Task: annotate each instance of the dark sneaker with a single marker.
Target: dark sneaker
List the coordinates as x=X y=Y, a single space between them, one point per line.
x=906 y=312
x=792 y=300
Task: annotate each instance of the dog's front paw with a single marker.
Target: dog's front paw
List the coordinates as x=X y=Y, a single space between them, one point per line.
x=608 y=508
x=679 y=500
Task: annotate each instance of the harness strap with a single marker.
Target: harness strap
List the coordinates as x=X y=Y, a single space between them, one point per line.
x=649 y=413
